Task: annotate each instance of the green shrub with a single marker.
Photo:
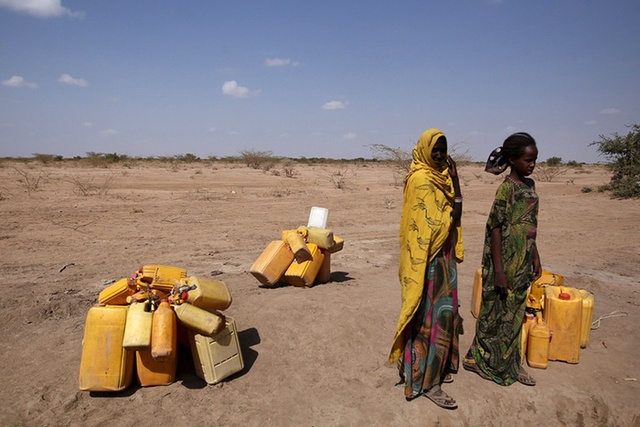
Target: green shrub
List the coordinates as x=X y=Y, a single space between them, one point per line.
x=257 y=159
x=623 y=152
x=46 y=158
x=554 y=161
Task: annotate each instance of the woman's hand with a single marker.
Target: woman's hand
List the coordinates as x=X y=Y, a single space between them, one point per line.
x=537 y=264
x=453 y=171
x=501 y=283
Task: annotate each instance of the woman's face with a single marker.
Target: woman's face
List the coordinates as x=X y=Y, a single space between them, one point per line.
x=525 y=164
x=439 y=151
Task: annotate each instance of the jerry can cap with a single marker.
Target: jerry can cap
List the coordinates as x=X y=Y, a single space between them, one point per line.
x=564 y=296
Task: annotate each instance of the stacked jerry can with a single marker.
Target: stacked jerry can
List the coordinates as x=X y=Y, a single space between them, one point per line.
x=557 y=322
x=105 y=364
x=563 y=321
x=134 y=328
x=569 y=313
x=302 y=257
x=213 y=338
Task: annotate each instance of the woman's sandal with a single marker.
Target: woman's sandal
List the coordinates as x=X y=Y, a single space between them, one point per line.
x=525 y=378
x=448 y=379
x=473 y=367
x=440 y=398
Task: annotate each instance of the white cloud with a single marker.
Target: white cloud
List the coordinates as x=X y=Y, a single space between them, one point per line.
x=509 y=129
x=335 y=105
x=277 y=62
x=71 y=81
x=349 y=135
x=233 y=90
x=110 y=132
x=18 y=81
x=87 y=124
x=212 y=129
x=610 y=111
x=590 y=122
x=40 y=8
x=280 y=62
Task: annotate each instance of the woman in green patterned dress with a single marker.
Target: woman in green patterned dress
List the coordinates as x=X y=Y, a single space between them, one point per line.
x=510 y=263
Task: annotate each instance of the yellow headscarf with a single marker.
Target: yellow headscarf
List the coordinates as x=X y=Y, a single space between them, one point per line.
x=424 y=227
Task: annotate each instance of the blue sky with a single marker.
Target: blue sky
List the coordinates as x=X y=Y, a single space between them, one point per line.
x=314 y=79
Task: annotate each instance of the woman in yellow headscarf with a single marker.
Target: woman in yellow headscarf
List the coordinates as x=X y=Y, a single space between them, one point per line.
x=426 y=341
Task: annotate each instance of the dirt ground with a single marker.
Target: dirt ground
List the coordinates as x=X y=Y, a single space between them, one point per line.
x=313 y=356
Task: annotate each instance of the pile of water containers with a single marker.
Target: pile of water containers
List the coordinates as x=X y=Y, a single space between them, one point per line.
x=138 y=323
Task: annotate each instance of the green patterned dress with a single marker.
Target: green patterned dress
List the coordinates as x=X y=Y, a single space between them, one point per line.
x=496 y=346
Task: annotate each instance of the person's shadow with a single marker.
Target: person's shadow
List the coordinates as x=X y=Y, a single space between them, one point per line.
x=248 y=338
x=335 y=277
x=339 y=277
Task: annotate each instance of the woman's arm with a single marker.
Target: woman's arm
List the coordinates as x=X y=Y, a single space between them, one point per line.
x=500 y=278
x=537 y=264
x=457 y=204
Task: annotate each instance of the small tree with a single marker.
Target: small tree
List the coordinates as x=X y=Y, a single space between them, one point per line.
x=399 y=159
x=188 y=158
x=547 y=171
x=256 y=159
x=554 y=161
x=46 y=158
x=623 y=151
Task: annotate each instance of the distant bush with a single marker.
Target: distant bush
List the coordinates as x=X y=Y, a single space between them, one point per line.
x=341 y=179
x=400 y=158
x=554 y=161
x=460 y=154
x=187 y=158
x=288 y=169
x=105 y=159
x=29 y=182
x=85 y=186
x=623 y=151
x=256 y=159
x=546 y=172
x=46 y=158
x=586 y=189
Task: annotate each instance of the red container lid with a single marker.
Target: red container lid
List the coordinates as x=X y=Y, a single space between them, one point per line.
x=564 y=296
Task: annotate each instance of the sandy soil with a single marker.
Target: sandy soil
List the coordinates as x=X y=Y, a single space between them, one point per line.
x=313 y=356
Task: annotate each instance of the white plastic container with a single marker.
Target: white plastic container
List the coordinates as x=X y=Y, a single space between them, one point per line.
x=318 y=217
